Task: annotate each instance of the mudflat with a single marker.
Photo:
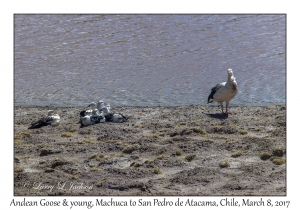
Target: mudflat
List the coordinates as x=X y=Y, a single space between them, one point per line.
x=185 y=150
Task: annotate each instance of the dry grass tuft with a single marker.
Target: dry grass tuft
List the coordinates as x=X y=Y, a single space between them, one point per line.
x=48 y=170
x=28 y=145
x=265 y=156
x=135 y=164
x=19 y=169
x=224 y=164
x=58 y=162
x=279 y=152
x=75 y=177
x=178 y=152
x=189 y=157
x=236 y=154
x=199 y=130
x=66 y=134
x=257 y=129
x=17 y=141
x=22 y=134
x=114 y=141
x=202 y=107
x=218 y=128
x=72 y=130
x=157 y=171
x=234 y=126
x=243 y=132
x=93 y=169
x=129 y=148
x=153 y=136
x=100 y=183
x=87 y=142
x=160 y=157
x=278 y=161
x=92 y=156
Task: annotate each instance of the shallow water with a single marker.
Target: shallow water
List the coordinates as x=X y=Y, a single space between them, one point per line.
x=71 y=60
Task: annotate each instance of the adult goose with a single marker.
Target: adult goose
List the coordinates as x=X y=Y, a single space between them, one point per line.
x=224 y=92
x=91 y=117
x=51 y=119
x=88 y=112
x=116 y=118
x=104 y=108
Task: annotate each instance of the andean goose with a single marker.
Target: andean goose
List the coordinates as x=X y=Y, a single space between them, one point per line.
x=224 y=91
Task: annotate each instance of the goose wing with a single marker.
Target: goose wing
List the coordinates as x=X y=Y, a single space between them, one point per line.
x=214 y=90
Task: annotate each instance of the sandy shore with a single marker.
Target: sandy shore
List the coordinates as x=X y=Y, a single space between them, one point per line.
x=159 y=151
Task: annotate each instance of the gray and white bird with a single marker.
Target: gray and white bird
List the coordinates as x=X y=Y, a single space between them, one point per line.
x=224 y=92
x=92 y=116
x=52 y=119
x=116 y=118
x=104 y=108
x=91 y=120
x=88 y=112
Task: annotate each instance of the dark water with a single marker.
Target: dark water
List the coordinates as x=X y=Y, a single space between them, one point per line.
x=69 y=60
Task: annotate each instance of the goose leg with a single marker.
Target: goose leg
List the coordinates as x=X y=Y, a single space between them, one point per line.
x=227 y=112
x=222 y=107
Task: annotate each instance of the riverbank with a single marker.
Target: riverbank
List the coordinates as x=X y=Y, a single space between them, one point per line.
x=187 y=150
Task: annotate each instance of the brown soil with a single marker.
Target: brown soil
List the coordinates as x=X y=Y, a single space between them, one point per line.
x=159 y=151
